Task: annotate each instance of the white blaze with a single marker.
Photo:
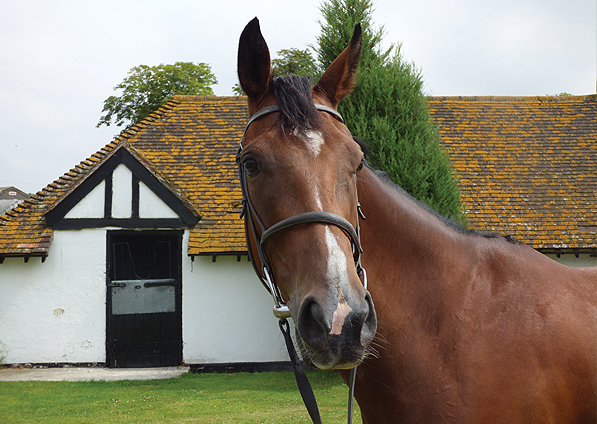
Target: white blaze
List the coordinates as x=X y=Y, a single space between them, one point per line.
x=313 y=140
x=337 y=271
x=339 y=316
x=318 y=199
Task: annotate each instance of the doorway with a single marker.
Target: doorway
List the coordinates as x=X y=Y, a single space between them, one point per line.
x=144 y=298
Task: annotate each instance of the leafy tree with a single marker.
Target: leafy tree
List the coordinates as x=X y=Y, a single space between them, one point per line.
x=389 y=110
x=147 y=88
x=289 y=61
x=236 y=89
x=294 y=61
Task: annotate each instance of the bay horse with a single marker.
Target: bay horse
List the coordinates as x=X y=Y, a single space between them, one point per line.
x=466 y=327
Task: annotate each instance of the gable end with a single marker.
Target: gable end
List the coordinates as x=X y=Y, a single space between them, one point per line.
x=119 y=214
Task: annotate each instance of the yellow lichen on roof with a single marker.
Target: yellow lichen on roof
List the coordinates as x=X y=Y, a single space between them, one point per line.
x=194 y=147
x=527 y=168
x=23 y=230
x=527 y=165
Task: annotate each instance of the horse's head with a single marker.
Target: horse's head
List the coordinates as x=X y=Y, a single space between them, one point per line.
x=298 y=166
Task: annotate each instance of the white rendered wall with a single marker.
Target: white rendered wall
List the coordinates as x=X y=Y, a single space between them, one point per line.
x=122 y=192
x=151 y=206
x=55 y=312
x=92 y=206
x=227 y=314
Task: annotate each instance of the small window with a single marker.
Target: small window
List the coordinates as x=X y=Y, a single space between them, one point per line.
x=12 y=193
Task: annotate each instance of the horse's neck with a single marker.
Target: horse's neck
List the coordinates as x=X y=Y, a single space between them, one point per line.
x=415 y=265
x=407 y=248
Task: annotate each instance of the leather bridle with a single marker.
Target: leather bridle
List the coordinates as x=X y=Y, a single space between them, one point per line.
x=253 y=222
x=266 y=274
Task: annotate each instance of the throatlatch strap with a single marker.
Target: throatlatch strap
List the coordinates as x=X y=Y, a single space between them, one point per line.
x=301 y=378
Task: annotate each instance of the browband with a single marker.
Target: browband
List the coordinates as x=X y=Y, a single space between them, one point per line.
x=276 y=108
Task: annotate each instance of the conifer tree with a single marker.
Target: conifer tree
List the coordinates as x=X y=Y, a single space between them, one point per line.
x=389 y=110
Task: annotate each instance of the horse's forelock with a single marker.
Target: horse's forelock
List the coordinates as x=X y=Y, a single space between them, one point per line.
x=293 y=94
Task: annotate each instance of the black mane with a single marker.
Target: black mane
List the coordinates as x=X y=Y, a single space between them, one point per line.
x=447 y=221
x=293 y=94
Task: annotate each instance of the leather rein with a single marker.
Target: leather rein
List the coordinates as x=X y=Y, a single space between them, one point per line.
x=266 y=274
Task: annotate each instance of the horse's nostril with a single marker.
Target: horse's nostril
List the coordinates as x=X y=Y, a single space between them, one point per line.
x=316 y=326
x=312 y=324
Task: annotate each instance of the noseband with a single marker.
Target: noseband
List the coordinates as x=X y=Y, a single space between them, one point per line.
x=253 y=221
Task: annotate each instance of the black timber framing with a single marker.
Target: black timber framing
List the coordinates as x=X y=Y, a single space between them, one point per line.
x=107 y=196
x=591 y=251
x=55 y=217
x=139 y=223
x=25 y=257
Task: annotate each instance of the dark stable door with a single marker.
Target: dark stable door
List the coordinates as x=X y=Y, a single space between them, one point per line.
x=144 y=327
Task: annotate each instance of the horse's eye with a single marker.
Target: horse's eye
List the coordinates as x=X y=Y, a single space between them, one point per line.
x=251 y=166
x=360 y=167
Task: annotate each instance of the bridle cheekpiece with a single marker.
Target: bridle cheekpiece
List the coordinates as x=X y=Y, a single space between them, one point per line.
x=252 y=220
x=266 y=275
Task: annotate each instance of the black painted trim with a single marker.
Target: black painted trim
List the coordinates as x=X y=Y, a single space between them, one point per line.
x=55 y=217
x=108 y=196
x=23 y=255
x=84 y=189
x=135 y=190
x=230 y=368
x=159 y=189
x=56 y=365
x=591 y=251
x=229 y=253
x=80 y=223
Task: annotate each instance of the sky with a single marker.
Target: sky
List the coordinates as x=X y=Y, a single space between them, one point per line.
x=59 y=59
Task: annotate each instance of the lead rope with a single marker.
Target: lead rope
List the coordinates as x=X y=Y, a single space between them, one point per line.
x=281 y=309
x=301 y=378
x=353 y=372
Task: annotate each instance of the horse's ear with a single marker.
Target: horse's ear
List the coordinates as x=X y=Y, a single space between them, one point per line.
x=253 y=62
x=339 y=78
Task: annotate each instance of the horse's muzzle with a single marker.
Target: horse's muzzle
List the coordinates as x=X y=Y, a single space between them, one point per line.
x=335 y=337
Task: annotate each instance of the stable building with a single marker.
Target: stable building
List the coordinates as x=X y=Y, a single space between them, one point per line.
x=136 y=256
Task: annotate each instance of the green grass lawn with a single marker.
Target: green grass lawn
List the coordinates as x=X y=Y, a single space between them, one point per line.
x=270 y=397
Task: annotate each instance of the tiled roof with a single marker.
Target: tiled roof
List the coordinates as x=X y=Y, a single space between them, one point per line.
x=527 y=165
x=190 y=143
x=194 y=146
x=23 y=230
x=528 y=168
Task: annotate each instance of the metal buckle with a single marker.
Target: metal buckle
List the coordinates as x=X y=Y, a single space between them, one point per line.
x=281 y=310
x=364 y=273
